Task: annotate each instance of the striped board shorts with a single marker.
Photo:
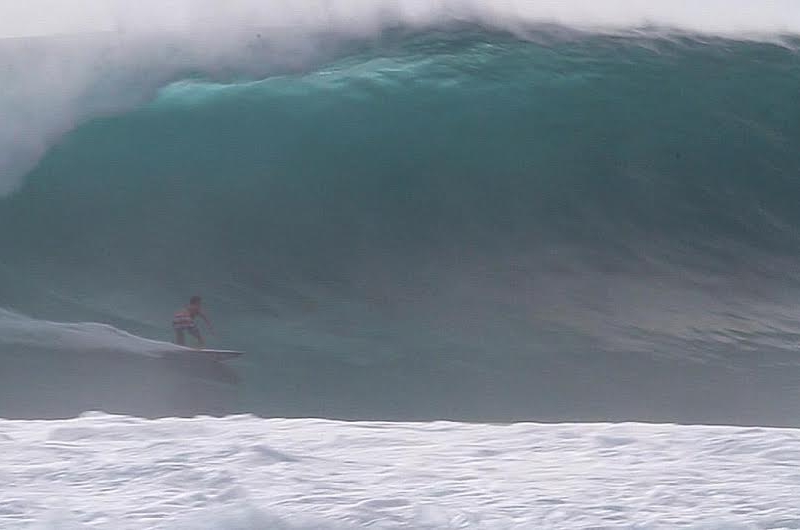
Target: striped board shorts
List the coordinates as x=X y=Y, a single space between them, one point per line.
x=183 y=320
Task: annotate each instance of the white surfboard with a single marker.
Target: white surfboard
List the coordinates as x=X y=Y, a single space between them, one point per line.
x=220 y=354
x=207 y=353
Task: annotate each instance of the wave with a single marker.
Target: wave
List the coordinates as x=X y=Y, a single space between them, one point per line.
x=435 y=217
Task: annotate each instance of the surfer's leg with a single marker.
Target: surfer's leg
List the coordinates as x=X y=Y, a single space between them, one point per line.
x=194 y=332
x=180 y=338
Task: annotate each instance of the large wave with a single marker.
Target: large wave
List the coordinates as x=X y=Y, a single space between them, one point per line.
x=453 y=221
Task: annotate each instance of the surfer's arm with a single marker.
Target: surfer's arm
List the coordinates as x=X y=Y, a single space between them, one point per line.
x=207 y=321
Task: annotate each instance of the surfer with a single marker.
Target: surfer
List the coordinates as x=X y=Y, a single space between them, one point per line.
x=184 y=322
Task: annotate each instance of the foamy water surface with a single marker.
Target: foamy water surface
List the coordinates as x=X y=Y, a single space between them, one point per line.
x=102 y=471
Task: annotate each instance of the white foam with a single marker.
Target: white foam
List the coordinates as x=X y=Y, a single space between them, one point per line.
x=93 y=57
x=20 y=330
x=727 y=17
x=243 y=472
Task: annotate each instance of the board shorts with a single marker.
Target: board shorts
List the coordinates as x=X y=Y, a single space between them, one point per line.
x=183 y=321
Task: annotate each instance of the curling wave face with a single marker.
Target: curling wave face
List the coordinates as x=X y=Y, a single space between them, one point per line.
x=452 y=211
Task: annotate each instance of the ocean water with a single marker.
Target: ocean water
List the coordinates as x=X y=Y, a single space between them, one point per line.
x=408 y=211
x=243 y=472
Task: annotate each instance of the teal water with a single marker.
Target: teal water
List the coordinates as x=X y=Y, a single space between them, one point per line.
x=447 y=225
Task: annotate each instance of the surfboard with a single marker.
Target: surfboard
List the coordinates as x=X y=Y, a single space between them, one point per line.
x=217 y=355
x=220 y=354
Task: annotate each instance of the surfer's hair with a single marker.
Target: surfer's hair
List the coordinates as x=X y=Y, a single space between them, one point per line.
x=195 y=300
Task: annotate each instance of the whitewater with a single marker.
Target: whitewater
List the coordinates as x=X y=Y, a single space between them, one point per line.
x=101 y=471
x=495 y=264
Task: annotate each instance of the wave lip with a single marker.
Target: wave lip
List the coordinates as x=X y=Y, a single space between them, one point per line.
x=725 y=18
x=99 y=57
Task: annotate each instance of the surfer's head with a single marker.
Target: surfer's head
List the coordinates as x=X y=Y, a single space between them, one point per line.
x=194 y=303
